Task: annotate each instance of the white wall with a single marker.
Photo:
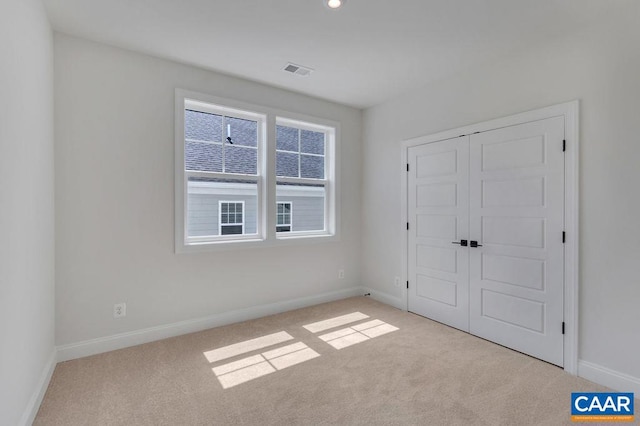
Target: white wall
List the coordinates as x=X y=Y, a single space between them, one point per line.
x=114 y=200
x=26 y=208
x=601 y=67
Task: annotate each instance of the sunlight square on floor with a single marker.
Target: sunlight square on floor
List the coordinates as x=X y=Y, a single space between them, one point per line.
x=247 y=346
x=246 y=369
x=319 y=326
x=358 y=333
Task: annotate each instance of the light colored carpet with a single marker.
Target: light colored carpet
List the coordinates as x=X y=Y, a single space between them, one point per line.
x=422 y=373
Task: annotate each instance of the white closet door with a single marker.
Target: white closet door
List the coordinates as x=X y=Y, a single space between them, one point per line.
x=438 y=208
x=516 y=215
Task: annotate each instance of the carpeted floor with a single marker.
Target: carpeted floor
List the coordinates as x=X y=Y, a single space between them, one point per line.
x=420 y=373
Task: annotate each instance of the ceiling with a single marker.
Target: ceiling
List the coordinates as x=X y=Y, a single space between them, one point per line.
x=367 y=52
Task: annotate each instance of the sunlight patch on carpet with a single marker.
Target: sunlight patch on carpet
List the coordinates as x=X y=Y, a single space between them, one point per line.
x=247 y=346
x=349 y=336
x=335 y=322
x=246 y=369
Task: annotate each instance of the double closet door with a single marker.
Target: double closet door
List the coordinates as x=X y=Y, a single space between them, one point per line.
x=486 y=219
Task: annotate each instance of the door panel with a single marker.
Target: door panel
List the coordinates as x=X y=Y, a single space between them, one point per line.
x=438 y=197
x=511 y=231
x=516 y=207
x=511 y=193
x=513 y=310
x=511 y=270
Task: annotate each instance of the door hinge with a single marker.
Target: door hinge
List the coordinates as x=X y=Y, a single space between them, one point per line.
x=564 y=145
x=407 y=284
x=407 y=166
x=564 y=237
x=407 y=226
x=562 y=327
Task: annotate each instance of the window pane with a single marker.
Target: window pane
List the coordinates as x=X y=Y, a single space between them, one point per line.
x=312 y=142
x=204 y=208
x=202 y=126
x=239 y=159
x=307 y=206
x=231 y=229
x=203 y=157
x=312 y=166
x=242 y=132
x=286 y=164
x=286 y=138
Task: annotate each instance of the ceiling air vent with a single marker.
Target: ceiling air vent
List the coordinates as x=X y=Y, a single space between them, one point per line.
x=298 y=69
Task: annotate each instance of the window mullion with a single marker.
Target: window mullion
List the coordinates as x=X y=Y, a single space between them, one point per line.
x=224 y=145
x=269 y=215
x=299 y=153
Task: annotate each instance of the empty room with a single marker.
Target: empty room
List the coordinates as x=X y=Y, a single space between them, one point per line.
x=319 y=212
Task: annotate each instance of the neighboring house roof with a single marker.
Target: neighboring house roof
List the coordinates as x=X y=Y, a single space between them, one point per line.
x=206 y=145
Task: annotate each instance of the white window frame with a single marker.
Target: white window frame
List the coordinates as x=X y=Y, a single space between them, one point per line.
x=327 y=182
x=290 y=224
x=235 y=111
x=265 y=179
x=220 y=224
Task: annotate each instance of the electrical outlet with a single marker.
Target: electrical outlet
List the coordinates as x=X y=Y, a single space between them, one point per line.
x=396 y=282
x=119 y=310
x=341 y=274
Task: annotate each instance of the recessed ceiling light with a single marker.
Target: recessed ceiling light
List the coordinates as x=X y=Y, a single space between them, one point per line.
x=334 y=4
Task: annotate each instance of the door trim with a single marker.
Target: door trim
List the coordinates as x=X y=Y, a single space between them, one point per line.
x=570 y=112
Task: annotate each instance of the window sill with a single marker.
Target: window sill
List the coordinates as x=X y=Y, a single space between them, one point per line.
x=212 y=246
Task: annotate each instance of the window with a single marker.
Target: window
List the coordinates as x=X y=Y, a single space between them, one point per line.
x=222 y=148
x=283 y=217
x=301 y=172
x=231 y=217
x=230 y=190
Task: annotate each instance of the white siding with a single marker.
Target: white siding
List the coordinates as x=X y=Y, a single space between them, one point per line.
x=308 y=213
x=203 y=213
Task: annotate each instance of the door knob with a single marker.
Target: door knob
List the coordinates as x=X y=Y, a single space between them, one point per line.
x=463 y=243
x=473 y=243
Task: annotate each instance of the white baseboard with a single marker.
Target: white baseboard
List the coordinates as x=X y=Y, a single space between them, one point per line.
x=124 y=340
x=31 y=411
x=609 y=378
x=385 y=298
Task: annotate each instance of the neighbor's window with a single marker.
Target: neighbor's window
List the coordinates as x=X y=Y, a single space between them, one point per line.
x=283 y=217
x=231 y=216
x=222 y=174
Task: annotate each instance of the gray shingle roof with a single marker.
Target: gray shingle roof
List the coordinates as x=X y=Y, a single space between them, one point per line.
x=206 y=146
